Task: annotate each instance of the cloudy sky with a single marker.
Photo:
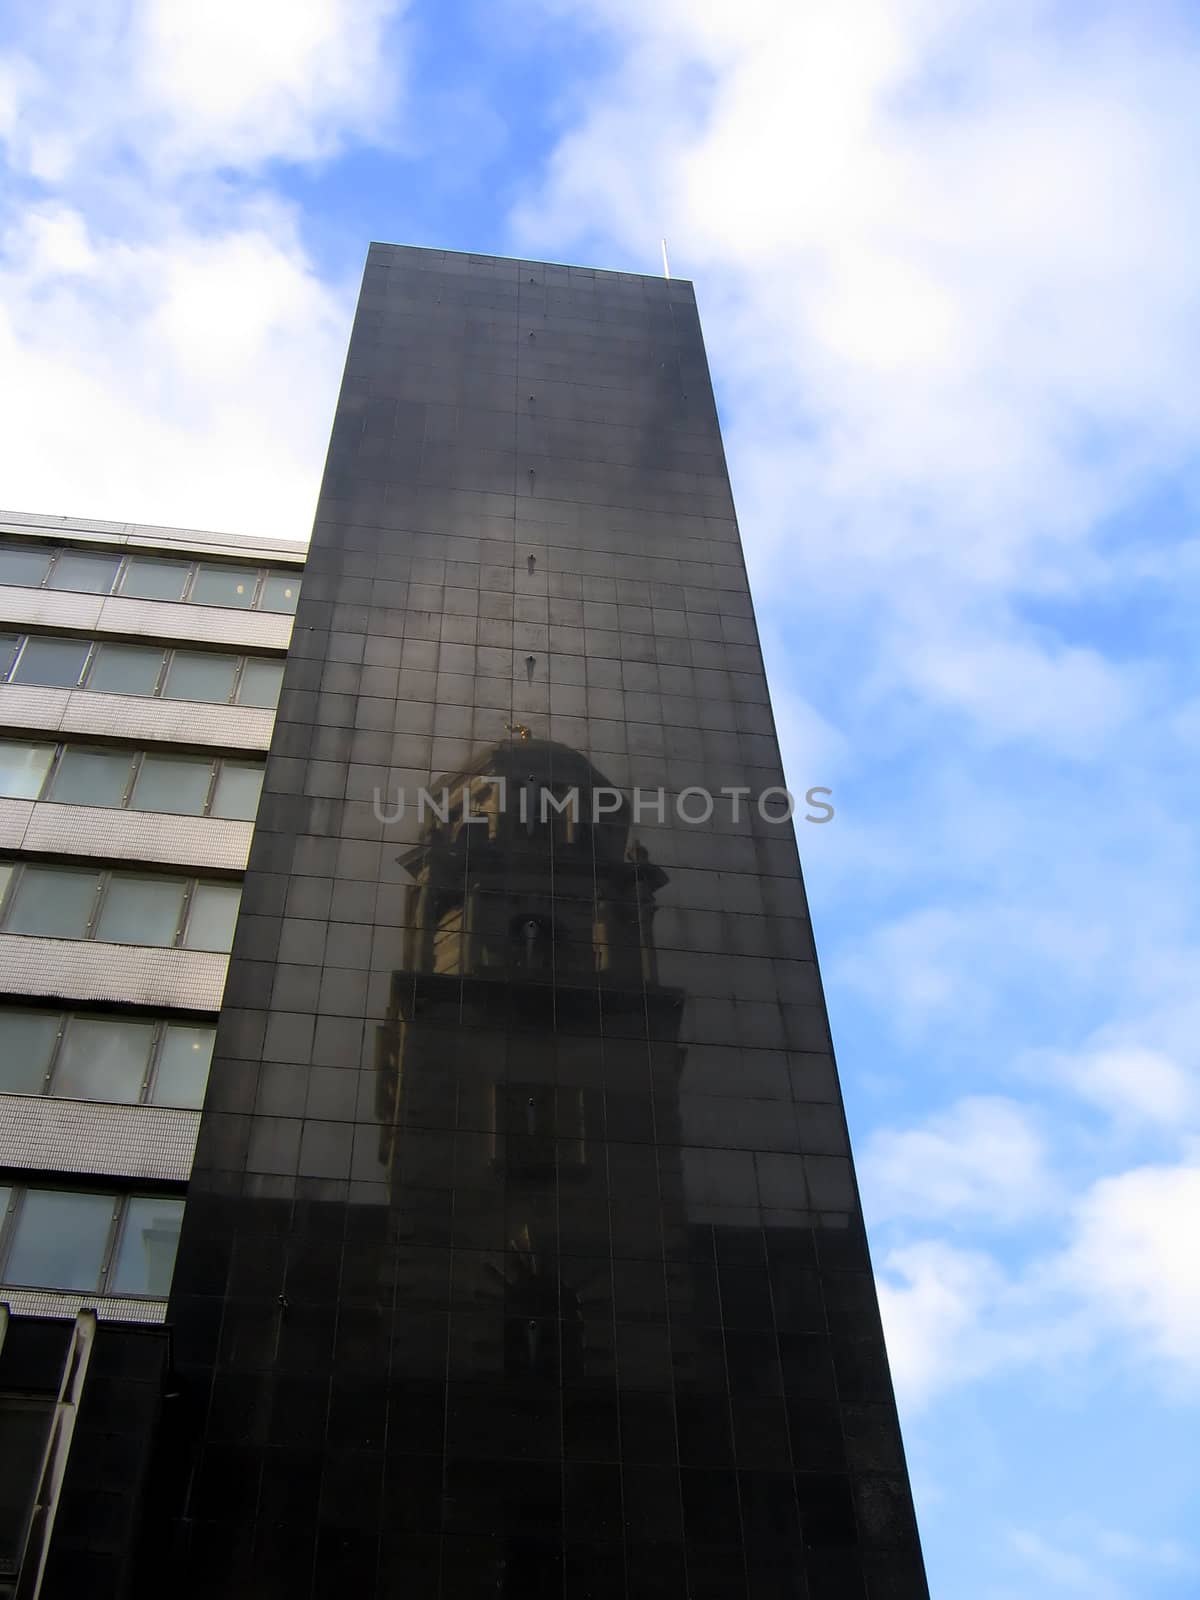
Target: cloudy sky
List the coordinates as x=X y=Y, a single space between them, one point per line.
x=945 y=254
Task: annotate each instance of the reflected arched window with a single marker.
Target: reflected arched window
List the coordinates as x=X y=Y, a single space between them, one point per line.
x=532 y=943
x=447 y=938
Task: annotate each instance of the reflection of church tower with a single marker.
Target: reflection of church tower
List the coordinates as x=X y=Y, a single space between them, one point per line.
x=530 y=977
x=527 y=1007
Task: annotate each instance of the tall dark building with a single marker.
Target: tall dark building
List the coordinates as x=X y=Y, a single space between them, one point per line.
x=522 y=1253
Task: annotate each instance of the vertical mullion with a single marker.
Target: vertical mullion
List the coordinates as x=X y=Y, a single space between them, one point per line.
x=136 y=758
x=188 y=891
x=60 y=751
x=120 y=1206
x=214 y=773
x=156 y=1047
x=88 y=662
x=64 y=1019
x=104 y=879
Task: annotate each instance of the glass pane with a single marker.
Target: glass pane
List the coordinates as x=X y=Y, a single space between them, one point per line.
x=59 y=1239
x=280 y=591
x=26 y=1045
x=212 y=915
x=196 y=675
x=140 y=910
x=24 y=1426
x=23 y=565
x=183 y=1064
x=223 y=586
x=91 y=777
x=103 y=1058
x=23 y=768
x=237 y=791
x=125 y=669
x=6 y=872
x=91 y=574
x=172 y=783
x=8 y=646
x=53 y=903
x=260 y=683
x=54 y=662
x=146 y=1255
x=147 y=579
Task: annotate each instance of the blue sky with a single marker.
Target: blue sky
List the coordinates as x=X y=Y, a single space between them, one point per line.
x=945 y=255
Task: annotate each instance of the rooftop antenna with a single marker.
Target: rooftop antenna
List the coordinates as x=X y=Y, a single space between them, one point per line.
x=666 y=263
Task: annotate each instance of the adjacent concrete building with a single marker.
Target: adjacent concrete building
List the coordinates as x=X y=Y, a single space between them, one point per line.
x=139 y=669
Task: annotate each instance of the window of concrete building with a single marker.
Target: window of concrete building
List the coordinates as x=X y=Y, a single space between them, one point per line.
x=260 y=682
x=24 y=565
x=216 y=585
x=103 y=1058
x=52 y=663
x=149 y=579
x=139 y=910
x=88 y=574
x=211 y=916
x=53 y=902
x=59 y=1239
x=149 y=1237
x=197 y=675
x=185 y=1056
x=126 y=669
x=177 y=784
x=135 y=669
x=86 y=777
x=122 y=1059
x=89 y=1242
x=27 y=1041
x=280 y=591
x=23 y=768
x=236 y=795
x=133 y=908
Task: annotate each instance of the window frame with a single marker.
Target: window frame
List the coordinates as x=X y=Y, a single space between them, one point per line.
x=119 y=1208
x=167 y=653
x=104 y=876
x=261 y=572
x=135 y=759
x=158 y=1044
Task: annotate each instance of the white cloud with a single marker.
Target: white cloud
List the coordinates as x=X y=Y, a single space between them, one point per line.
x=1134 y=1084
x=188 y=379
x=1084 y=1557
x=193 y=87
x=953 y=1315
x=1134 y=1258
x=170 y=352
x=983 y=1158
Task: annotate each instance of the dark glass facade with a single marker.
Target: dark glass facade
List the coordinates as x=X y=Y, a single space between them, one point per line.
x=523 y=1254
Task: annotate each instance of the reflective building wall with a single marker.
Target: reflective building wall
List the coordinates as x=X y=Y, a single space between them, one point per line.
x=523 y=1254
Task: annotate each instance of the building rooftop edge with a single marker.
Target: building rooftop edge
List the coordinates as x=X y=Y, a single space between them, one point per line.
x=151 y=533
x=526 y=261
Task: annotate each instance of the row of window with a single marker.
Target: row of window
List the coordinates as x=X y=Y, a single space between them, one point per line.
x=106 y=667
x=117 y=907
x=129 y=1061
x=82 y=1240
x=137 y=780
x=138 y=577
